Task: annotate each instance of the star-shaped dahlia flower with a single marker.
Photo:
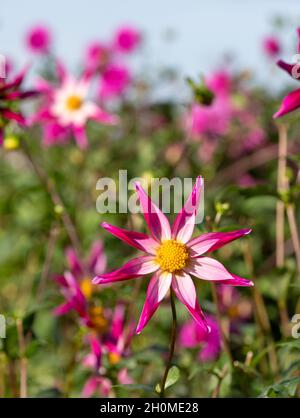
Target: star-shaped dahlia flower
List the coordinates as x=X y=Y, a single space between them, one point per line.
x=173 y=256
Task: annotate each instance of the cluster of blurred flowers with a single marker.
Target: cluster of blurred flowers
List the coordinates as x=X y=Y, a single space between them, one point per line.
x=105 y=331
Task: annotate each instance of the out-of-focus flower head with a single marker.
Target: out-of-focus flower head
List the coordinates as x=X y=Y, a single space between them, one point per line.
x=271 y=46
x=114 y=80
x=97 y=56
x=235 y=307
x=211 y=111
x=11 y=96
x=113 y=343
x=66 y=109
x=173 y=256
x=127 y=39
x=192 y=335
x=38 y=39
x=290 y=102
x=76 y=287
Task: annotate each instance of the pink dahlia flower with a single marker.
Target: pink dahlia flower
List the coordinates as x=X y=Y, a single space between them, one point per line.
x=192 y=335
x=127 y=39
x=290 y=102
x=67 y=109
x=173 y=256
x=38 y=40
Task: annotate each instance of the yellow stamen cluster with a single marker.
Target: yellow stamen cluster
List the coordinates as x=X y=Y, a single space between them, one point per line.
x=172 y=256
x=98 y=319
x=86 y=287
x=114 y=358
x=73 y=103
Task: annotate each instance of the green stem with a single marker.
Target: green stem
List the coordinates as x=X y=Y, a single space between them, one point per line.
x=172 y=345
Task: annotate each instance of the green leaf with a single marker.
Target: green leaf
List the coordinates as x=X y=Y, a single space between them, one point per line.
x=285 y=388
x=172 y=378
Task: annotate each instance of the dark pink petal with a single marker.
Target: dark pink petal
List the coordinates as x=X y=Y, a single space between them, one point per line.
x=285 y=66
x=136 y=267
x=80 y=136
x=117 y=323
x=184 y=289
x=10 y=115
x=63 y=309
x=156 y=220
x=207 y=268
x=137 y=240
x=214 y=240
x=184 y=223
x=289 y=103
x=74 y=262
x=157 y=289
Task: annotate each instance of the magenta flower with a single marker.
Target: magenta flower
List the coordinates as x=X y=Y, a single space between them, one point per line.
x=290 y=102
x=173 y=256
x=127 y=39
x=114 y=80
x=11 y=95
x=67 y=109
x=271 y=46
x=192 y=335
x=38 y=39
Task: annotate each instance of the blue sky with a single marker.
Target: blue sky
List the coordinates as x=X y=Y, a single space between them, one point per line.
x=204 y=30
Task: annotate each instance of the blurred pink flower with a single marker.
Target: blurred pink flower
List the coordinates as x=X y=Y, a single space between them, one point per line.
x=237 y=308
x=173 y=256
x=99 y=384
x=290 y=102
x=38 y=39
x=127 y=39
x=209 y=120
x=114 y=80
x=271 y=46
x=67 y=109
x=97 y=56
x=220 y=83
x=192 y=335
x=77 y=288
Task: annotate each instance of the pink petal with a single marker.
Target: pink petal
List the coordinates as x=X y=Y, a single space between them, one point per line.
x=156 y=220
x=90 y=387
x=289 y=103
x=157 y=289
x=207 y=268
x=124 y=378
x=74 y=262
x=184 y=289
x=285 y=66
x=214 y=240
x=80 y=136
x=105 y=118
x=97 y=259
x=184 y=223
x=136 y=267
x=140 y=241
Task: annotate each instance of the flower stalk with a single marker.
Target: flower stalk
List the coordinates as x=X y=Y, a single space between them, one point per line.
x=172 y=344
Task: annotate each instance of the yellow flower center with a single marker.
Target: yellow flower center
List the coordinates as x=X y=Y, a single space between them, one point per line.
x=73 y=103
x=172 y=256
x=114 y=358
x=86 y=287
x=98 y=319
